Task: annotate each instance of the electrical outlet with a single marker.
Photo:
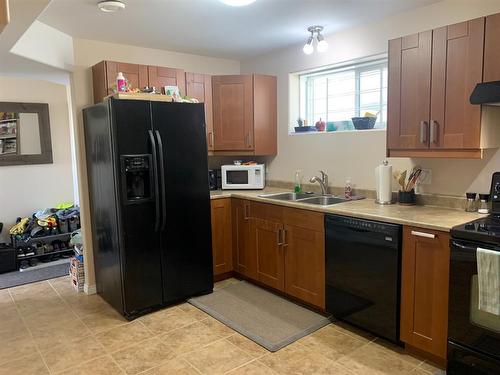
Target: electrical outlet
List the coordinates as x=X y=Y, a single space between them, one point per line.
x=425 y=177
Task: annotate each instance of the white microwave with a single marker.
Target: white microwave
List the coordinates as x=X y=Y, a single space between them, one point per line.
x=243 y=176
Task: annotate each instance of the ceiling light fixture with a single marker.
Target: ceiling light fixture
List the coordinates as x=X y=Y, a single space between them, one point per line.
x=110 y=6
x=237 y=3
x=322 y=43
x=308 y=47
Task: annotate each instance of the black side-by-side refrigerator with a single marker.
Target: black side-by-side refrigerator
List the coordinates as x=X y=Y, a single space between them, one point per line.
x=149 y=202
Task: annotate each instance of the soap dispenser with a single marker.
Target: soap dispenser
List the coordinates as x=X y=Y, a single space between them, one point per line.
x=298 y=181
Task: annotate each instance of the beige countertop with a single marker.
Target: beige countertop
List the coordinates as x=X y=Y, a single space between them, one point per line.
x=429 y=217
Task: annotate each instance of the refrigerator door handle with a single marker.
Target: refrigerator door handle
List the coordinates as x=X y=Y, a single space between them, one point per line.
x=162 y=181
x=155 y=173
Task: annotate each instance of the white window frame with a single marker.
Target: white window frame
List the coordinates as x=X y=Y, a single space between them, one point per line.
x=306 y=105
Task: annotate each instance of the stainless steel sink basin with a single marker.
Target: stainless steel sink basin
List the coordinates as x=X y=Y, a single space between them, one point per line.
x=288 y=196
x=324 y=200
x=308 y=198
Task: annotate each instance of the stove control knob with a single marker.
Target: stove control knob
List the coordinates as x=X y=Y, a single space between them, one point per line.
x=497 y=188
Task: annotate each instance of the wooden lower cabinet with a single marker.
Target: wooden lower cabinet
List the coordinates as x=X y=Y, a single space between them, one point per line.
x=304 y=251
x=221 y=235
x=424 y=290
x=269 y=252
x=282 y=248
x=244 y=258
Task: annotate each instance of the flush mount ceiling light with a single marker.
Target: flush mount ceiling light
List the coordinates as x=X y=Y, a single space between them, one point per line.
x=322 y=43
x=109 y=6
x=237 y=3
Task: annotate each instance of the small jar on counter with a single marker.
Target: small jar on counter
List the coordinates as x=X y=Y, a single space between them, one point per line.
x=484 y=207
x=470 y=204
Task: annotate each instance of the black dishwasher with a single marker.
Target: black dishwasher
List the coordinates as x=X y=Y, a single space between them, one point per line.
x=363 y=270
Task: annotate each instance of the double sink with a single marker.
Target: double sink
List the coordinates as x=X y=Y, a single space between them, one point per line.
x=307 y=198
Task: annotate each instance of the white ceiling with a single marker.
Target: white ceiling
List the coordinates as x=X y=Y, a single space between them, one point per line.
x=208 y=27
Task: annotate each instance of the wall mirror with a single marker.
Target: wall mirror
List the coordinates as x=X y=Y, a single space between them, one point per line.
x=24 y=134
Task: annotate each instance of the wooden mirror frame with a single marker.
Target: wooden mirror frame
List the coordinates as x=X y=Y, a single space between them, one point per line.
x=45 y=156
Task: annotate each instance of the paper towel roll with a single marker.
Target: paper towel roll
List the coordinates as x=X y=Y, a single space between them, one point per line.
x=383 y=178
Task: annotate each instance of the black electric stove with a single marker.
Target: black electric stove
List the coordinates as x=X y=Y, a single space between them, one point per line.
x=486 y=229
x=473 y=335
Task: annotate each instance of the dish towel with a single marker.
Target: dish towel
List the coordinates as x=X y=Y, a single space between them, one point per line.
x=488 y=274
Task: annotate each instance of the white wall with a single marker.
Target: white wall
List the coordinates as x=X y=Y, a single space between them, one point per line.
x=47 y=45
x=89 y=52
x=25 y=189
x=356 y=155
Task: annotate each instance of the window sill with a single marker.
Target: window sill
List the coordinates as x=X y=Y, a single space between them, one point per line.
x=337 y=132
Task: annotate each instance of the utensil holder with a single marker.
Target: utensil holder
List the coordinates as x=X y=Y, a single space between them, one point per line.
x=407 y=197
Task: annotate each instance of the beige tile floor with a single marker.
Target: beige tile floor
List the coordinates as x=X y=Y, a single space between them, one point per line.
x=47 y=328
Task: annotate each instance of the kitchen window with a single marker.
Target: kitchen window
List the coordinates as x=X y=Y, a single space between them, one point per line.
x=337 y=95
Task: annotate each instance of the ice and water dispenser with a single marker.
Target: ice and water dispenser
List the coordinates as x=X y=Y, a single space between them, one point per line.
x=137 y=176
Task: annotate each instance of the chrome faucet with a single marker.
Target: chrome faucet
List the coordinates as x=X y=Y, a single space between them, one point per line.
x=323 y=182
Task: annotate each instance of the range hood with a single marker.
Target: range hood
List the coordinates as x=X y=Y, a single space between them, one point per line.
x=487 y=93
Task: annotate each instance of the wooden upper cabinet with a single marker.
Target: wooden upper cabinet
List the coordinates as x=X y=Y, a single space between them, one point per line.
x=233 y=112
x=199 y=86
x=492 y=48
x=457 y=66
x=409 y=88
x=160 y=76
x=104 y=77
x=431 y=77
x=221 y=235
x=424 y=290
x=245 y=114
x=4 y=14
x=265 y=115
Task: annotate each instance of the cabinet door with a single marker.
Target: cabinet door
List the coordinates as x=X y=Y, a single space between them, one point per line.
x=457 y=66
x=424 y=290
x=233 y=113
x=160 y=76
x=199 y=86
x=409 y=90
x=270 y=260
x=136 y=75
x=4 y=14
x=265 y=115
x=221 y=236
x=492 y=48
x=99 y=83
x=244 y=256
x=304 y=251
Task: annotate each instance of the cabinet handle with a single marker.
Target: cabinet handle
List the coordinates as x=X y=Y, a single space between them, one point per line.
x=245 y=211
x=211 y=139
x=423 y=131
x=278 y=234
x=247 y=140
x=284 y=243
x=434 y=131
x=422 y=234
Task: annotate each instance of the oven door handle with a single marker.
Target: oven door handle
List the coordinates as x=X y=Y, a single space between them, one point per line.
x=474 y=248
x=463 y=247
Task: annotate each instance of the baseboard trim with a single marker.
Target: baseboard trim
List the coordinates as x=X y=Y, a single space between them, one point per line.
x=224 y=276
x=89 y=289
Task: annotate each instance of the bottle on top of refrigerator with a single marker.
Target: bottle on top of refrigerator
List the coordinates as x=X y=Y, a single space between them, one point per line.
x=121 y=84
x=348 y=188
